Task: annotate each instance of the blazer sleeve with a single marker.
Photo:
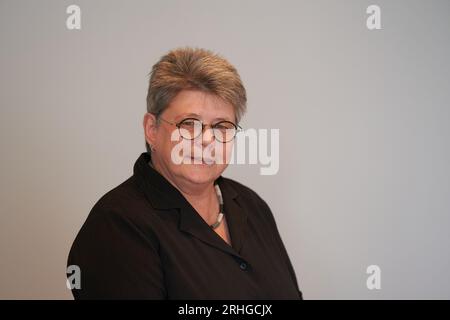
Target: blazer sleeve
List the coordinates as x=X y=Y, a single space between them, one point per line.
x=117 y=260
x=281 y=246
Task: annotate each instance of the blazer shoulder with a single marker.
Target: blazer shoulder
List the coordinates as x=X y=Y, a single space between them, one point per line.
x=120 y=213
x=125 y=196
x=124 y=203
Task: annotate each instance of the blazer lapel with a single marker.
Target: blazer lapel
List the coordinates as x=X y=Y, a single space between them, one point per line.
x=192 y=223
x=162 y=195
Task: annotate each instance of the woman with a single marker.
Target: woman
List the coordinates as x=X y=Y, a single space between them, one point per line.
x=177 y=229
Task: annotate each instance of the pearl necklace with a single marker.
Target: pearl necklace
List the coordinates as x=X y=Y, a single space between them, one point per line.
x=216 y=224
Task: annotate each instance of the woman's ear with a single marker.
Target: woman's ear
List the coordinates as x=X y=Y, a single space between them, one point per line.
x=150 y=128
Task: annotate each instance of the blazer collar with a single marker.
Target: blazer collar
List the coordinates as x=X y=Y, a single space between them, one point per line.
x=163 y=195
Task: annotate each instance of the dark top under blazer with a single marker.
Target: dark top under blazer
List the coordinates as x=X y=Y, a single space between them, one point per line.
x=143 y=240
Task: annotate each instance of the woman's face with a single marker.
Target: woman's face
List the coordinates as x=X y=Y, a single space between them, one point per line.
x=203 y=159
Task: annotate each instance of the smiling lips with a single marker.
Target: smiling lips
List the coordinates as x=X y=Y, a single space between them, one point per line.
x=205 y=161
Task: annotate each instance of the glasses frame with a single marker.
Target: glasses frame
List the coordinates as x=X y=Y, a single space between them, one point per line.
x=237 y=127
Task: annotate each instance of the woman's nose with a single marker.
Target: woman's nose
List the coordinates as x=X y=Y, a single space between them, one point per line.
x=207 y=136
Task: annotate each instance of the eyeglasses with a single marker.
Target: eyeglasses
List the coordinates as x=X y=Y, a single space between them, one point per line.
x=191 y=128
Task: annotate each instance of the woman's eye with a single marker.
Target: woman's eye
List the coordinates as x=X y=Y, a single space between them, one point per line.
x=224 y=126
x=188 y=123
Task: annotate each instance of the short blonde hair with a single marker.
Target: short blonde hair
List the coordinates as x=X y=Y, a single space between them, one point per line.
x=194 y=68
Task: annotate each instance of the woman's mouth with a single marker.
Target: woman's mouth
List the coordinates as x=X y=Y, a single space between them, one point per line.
x=201 y=161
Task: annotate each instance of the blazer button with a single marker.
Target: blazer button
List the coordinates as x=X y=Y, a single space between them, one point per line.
x=243 y=266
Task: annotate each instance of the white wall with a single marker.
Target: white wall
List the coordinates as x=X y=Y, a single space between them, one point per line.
x=363 y=118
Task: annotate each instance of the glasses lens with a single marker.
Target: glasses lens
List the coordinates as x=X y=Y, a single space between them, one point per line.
x=190 y=128
x=224 y=131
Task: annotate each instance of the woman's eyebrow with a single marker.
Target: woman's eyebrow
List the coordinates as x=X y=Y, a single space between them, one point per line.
x=221 y=119
x=197 y=116
x=184 y=115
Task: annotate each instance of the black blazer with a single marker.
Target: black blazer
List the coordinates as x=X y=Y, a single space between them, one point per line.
x=144 y=240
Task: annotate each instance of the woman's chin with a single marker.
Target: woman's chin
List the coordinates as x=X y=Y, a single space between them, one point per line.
x=200 y=173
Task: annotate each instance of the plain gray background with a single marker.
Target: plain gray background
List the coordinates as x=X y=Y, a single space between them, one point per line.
x=363 y=116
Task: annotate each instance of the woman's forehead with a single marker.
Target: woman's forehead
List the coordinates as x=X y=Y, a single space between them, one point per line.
x=201 y=105
x=204 y=116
